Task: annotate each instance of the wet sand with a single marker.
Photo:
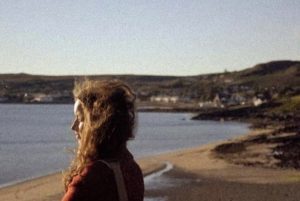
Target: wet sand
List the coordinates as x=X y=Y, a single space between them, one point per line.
x=199 y=174
x=213 y=189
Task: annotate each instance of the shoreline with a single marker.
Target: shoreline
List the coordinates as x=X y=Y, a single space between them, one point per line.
x=17 y=182
x=149 y=108
x=203 y=161
x=199 y=162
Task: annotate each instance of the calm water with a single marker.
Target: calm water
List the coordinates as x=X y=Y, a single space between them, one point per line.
x=34 y=139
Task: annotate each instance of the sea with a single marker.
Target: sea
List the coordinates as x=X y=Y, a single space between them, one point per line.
x=36 y=140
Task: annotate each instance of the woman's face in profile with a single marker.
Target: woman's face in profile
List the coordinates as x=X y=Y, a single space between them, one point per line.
x=77 y=125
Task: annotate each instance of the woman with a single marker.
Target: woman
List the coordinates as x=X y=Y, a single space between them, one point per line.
x=103 y=168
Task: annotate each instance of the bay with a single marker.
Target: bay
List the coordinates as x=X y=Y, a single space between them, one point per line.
x=35 y=139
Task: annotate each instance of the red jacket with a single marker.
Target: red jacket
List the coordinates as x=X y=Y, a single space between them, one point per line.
x=97 y=182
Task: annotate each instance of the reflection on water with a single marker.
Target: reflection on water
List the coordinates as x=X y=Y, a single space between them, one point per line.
x=164 y=182
x=159 y=181
x=149 y=178
x=155 y=199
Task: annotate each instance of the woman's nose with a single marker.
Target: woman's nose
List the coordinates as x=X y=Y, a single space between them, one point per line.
x=74 y=126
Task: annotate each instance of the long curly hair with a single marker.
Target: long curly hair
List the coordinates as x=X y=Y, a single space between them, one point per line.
x=109 y=117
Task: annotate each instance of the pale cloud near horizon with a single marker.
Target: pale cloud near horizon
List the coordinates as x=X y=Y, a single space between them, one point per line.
x=145 y=37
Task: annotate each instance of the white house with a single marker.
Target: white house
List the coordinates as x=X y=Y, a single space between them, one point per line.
x=257 y=101
x=42 y=98
x=164 y=99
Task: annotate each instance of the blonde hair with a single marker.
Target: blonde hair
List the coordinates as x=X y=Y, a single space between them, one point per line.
x=109 y=116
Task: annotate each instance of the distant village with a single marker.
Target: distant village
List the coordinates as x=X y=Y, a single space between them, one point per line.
x=235 y=96
x=253 y=86
x=223 y=98
x=58 y=97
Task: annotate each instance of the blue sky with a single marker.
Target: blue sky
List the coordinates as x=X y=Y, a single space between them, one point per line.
x=165 y=37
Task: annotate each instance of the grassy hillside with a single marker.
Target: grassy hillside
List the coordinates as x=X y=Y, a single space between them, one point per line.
x=281 y=77
x=288 y=105
x=273 y=74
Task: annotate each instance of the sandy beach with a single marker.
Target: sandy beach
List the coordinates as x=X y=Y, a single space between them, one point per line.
x=243 y=168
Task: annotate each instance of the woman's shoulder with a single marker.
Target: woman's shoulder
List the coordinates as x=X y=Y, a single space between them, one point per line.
x=95 y=181
x=94 y=171
x=96 y=166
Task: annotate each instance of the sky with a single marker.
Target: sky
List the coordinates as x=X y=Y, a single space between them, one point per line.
x=151 y=37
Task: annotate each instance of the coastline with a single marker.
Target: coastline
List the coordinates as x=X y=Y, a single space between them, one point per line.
x=198 y=164
x=204 y=162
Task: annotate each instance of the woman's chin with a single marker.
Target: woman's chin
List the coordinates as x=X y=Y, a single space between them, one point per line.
x=78 y=142
x=77 y=136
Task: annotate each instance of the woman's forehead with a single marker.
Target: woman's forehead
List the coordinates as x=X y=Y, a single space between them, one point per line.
x=77 y=106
